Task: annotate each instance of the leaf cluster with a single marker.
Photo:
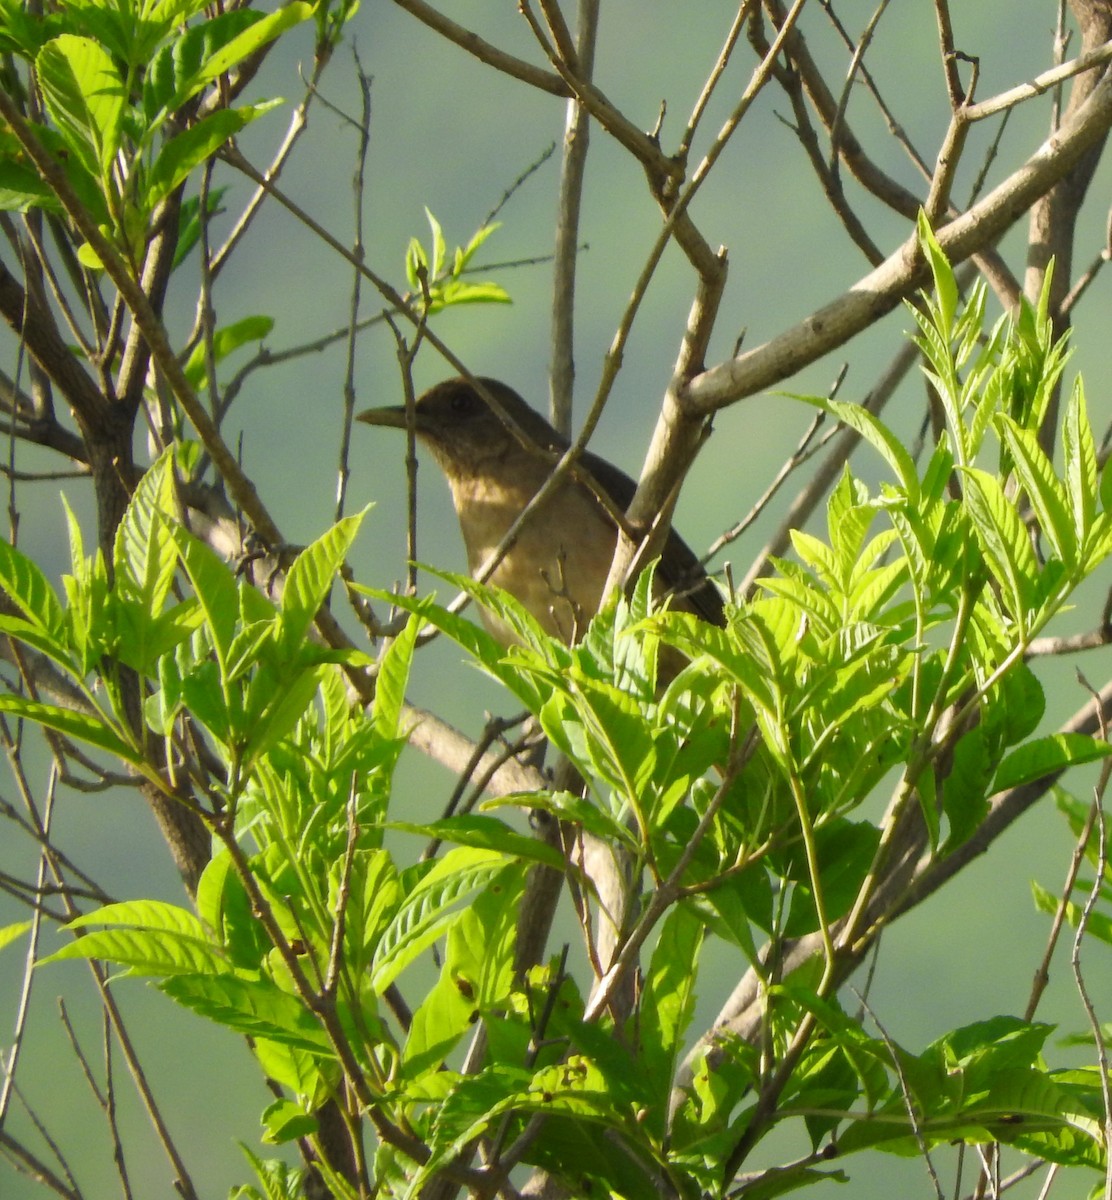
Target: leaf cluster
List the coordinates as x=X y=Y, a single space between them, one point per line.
x=129 y=108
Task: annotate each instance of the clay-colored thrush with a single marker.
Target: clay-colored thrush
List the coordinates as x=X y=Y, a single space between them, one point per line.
x=559 y=563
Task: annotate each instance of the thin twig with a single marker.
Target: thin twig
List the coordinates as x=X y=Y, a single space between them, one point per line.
x=717 y=71
x=1089 y=907
x=23 y=1006
x=363 y=141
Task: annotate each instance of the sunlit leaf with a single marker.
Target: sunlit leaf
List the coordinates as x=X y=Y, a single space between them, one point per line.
x=85 y=96
x=1047 y=756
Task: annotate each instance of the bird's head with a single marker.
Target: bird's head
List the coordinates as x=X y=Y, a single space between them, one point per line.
x=455 y=421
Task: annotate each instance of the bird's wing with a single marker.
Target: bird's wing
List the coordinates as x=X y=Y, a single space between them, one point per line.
x=680 y=569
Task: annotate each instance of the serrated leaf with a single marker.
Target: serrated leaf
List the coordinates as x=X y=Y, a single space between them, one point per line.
x=945 y=285
x=145 y=558
x=29 y=589
x=230 y=53
x=271 y=713
x=311 y=577
x=1080 y=456
x=429 y=908
x=177 y=71
x=877 y=434
x=480 y=645
x=215 y=587
x=486 y=833
x=1003 y=538
x=93 y=731
x=668 y=1001
x=255 y=1007
x=187 y=150
x=1044 y=490
x=149 y=937
x=85 y=96
x=393 y=678
x=1047 y=756
x=818 y=556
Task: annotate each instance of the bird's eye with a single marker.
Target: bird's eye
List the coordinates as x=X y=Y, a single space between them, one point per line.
x=462 y=403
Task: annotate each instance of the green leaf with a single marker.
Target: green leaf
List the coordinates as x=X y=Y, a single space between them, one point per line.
x=177 y=70
x=486 y=833
x=609 y=727
x=22 y=188
x=149 y=937
x=460 y=291
x=393 y=677
x=144 y=554
x=465 y=255
x=429 y=908
x=85 y=96
x=480 y=645
x=1080 y=456
x=1044 y=490
x=12 y=933
x=279 y=1180
x=189 y=221
x=225 y=908
x=274 y=706
x=965 y=790
x=945 y=285
x=93 y=731
x=206 y=51
x=1004 y=540
x=1047 y=756
x=311 y=577
x=566 y=806
x=286 y=1121
x=187 y=150
x=254 y=1007
x=438 y=247
x=1098 y=924
x=476 y=978
x=29 y=589
x=225 y=341
x=216 y=590
x=877 y=434
x=442 y=1018
x=509 y=611
x=668 y=1002
x=416 y=264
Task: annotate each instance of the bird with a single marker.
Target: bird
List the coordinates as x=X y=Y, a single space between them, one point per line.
x=559 y=563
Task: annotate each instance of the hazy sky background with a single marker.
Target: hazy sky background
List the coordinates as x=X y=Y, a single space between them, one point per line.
x=452 y=135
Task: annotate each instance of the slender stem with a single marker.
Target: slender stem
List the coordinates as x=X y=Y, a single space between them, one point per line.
x=569 y=202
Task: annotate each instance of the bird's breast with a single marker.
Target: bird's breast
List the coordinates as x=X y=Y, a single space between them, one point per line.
x=558 y=565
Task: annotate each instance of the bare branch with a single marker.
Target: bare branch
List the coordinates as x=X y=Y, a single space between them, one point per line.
x=880 y=291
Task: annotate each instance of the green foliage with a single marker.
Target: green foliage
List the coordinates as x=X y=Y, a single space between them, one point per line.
x=122 y=85
x=889 y=654
x=440 y=284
